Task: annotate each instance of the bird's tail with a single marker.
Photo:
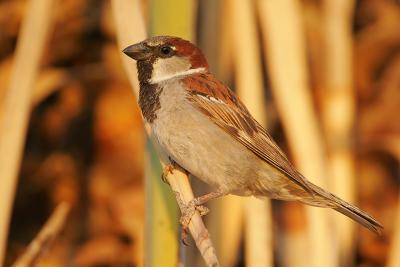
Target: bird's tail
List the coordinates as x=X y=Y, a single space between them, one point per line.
x=323 y=198
x=360 y=216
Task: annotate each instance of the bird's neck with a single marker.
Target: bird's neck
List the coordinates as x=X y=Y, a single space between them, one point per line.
x=151 y=87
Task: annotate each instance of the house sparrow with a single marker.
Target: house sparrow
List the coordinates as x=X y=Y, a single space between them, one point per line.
x=200 y=125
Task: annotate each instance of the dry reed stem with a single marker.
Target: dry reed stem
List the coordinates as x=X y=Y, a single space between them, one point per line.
x=15 y=114
x=45 y=237
x=225 y=50
x=284 y=39
x=48 y=81
x=393 y=259
x=338 y=113
x=226 y=223
x=293 y=250
x=176 y=20
x=227 y=218
x=130 y=29
x=249 y=85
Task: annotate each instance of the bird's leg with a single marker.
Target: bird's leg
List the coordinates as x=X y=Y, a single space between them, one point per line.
x=196 y=205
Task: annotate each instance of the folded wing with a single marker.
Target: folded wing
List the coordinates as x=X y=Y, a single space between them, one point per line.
x=221 y=105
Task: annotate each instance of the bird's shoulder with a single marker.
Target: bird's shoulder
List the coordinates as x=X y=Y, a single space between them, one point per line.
x=224 y=108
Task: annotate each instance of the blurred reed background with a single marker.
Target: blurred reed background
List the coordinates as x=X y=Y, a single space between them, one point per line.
x=322 y=75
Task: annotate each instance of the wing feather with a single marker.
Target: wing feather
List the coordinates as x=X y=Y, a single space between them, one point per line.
x=225 y=110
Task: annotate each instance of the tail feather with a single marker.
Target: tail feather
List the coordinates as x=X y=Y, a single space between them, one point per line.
x=323 y=198
x=360 y=216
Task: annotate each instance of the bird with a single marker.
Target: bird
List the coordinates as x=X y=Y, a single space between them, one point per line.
x=199 y=125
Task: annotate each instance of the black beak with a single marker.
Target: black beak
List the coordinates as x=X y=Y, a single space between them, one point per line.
x=138 y=51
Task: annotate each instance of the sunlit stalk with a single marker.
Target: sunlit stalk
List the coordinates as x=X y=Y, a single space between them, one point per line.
x=338 y=112
x=45 y=238
x=15 y=114
x=130 y=29
x=249 y=86
x=394 y=253
x=285 y=56
x=227 y=219
x=174 y=20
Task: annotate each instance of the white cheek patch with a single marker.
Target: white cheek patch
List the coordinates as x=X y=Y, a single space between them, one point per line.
x=173 y=67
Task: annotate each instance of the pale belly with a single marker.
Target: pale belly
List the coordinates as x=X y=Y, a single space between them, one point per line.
x=205 y=151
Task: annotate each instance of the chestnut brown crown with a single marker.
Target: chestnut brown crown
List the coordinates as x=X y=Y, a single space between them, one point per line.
x=164 y=47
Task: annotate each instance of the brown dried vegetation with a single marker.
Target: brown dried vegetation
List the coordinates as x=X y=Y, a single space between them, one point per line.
x=85 y=142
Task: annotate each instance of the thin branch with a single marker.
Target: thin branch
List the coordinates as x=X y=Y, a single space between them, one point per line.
x=179 y=183
x=44 y=238
x=130 y=29
x=17 y=103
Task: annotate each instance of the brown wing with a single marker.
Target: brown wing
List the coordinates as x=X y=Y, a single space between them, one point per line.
x=221 y=105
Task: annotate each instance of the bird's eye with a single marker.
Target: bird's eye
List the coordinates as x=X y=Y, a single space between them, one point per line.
x=166 y=51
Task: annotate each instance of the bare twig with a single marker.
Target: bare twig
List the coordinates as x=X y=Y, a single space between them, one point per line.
x=31 y=42
x=130 y=29
x=45 y=237
x=180 y=185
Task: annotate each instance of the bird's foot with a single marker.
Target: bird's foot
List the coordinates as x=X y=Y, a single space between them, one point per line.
x=187 y=213
x=168 y=169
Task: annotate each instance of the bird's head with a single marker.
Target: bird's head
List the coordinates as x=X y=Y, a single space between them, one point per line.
x=162 y=58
